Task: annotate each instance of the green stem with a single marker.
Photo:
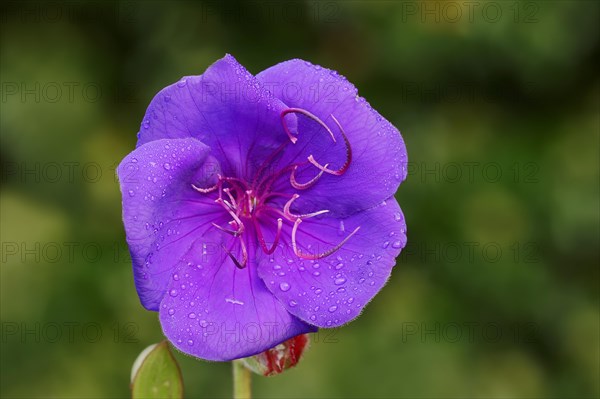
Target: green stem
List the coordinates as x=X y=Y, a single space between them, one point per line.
x=242 y=383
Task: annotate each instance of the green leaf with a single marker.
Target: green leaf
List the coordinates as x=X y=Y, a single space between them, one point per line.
x=156 y=374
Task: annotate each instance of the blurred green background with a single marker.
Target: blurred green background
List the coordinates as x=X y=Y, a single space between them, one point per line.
x=497 y=292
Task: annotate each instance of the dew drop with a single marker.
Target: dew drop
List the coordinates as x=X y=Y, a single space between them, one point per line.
x=397 y=217
x=181 y=83
x=316 y=273
x=332 y=309
x=397 y=244
x=171 y=312
x=176 y=277
x=386 y=244
x=173 y=293
x=284 y=287
x=313 y=317
x=131 y=193
x=293 y=303
x=192 y=315
x=339 y=281
x=167 y=166
x=318 y=291
x=190 y=342
x=339 y=266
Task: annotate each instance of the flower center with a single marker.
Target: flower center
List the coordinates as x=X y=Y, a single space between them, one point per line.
x=245 y=202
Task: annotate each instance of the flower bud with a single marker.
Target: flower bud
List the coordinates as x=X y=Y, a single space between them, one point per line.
x=280 y=358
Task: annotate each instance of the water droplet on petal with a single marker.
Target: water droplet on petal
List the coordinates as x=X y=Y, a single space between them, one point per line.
x=293 y=303
x=131 y=193
x=332 y=309
x=313 y=317
x=192 y=315
x=190 y=342
x=397 y=244
x=167 y=166
x=171 y=312
x=339 y=281
x=284 y=287
x=386 y=244
x=173 y=293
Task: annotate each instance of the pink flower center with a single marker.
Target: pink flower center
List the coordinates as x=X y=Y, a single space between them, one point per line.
x=245 y=202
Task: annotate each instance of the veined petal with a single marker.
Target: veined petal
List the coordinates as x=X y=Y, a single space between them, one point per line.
x=332 y=291
x=161 y=210
x=227 y=109
x=379 y=157
x=216 y=311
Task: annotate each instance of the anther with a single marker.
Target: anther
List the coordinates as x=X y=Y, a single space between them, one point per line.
x=289 y=215
x=299 y=253
x=304 y=112
x=238 y=264
x=346 y=164
x=308 y=184
x=205 y=190
x=261 y=239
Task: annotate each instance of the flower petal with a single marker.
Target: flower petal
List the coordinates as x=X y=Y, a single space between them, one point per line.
x=227 y=109
x=216 y=311
x=378 y=151
x=331 y=291
x=160 y=207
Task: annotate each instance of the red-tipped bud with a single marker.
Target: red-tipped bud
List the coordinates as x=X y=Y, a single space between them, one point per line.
x=280 y=358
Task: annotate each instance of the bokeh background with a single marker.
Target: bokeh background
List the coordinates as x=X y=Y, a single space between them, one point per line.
x=497 y=292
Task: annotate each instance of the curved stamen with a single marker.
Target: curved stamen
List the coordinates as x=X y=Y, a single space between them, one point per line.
x=304 y=112
x=290 y=216
x=235 y=217
x=346 y=164
x=261 y=239
x=235 y=233
x=238 y=264
x=308 y=184
x=228 y=192
x=206 y=190
x=299 y=254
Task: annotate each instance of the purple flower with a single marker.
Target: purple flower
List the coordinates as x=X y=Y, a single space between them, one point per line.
x=258 y=208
